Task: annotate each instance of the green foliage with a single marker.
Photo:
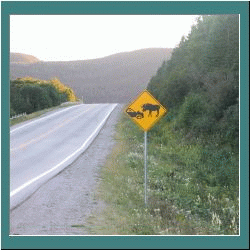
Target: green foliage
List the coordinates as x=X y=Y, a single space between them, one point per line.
x=30 y=95
x=229 y=127
x=173 y=95
x=200 y=81
x=223 y=42
x=192 y=109
x=199 y=138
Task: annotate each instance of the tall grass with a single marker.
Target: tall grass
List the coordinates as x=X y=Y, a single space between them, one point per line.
x=183 y=195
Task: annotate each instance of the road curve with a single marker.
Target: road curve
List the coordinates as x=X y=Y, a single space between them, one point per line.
x=42 y=148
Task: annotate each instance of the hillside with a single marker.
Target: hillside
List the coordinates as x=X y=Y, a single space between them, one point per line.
x=22 y=58
x=113 y=79
x=193 y=152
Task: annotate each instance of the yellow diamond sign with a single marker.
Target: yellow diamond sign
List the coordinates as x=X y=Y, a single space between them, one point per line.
x=145 y=110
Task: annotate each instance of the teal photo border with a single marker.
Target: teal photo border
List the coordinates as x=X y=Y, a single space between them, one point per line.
x=125 y=8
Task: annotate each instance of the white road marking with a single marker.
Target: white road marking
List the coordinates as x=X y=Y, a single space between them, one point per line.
x=17 y=190
x=50 y=131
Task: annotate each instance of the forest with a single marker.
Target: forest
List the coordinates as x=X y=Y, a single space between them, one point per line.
x=30 y=95
x=200 y=84
x=200 y=87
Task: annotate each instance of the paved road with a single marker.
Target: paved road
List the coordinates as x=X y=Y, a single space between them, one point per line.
x=42 y=148
x=62 y=205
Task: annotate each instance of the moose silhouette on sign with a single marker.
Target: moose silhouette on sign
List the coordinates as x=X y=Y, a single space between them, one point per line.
x=150 y=107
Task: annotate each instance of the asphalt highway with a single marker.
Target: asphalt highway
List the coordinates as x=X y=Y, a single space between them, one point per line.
x=42 y=148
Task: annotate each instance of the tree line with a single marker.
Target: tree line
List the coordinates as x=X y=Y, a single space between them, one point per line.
x=200 y=84
x=31 y=95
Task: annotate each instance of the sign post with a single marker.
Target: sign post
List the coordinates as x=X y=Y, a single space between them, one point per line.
x=145 y=111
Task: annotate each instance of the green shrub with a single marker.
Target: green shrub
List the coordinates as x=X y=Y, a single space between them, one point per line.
x=30 y=95
x=194 y=113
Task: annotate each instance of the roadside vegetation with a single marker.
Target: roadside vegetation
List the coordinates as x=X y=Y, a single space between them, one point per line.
x=193 y=152
x=28 y=95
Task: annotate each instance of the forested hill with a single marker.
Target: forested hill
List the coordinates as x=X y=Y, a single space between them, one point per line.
x=117 y=78
x=200 y=134
x=200 y=84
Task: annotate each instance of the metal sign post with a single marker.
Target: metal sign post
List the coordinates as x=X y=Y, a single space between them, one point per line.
x=145 y=165
x=145 y=111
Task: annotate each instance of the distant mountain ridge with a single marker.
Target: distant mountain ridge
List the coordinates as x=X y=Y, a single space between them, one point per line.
x=116 y=78
x=22 y=58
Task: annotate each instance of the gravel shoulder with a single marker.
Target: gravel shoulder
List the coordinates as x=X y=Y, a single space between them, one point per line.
x=63 y=204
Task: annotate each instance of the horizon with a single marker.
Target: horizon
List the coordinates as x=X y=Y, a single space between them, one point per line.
x=123 y=52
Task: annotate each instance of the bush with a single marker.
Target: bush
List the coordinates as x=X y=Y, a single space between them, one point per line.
x=30 y=95
x=173 y=93
x=223 y=95
x=229 y=127
x=194 y=113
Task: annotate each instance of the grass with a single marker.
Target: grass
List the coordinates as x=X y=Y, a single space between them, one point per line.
x=39 y=113
x=180 y=202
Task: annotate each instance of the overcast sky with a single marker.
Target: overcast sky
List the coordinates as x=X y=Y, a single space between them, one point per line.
x=80 y=37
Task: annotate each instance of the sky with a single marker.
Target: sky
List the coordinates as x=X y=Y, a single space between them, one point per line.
x=81 y=37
